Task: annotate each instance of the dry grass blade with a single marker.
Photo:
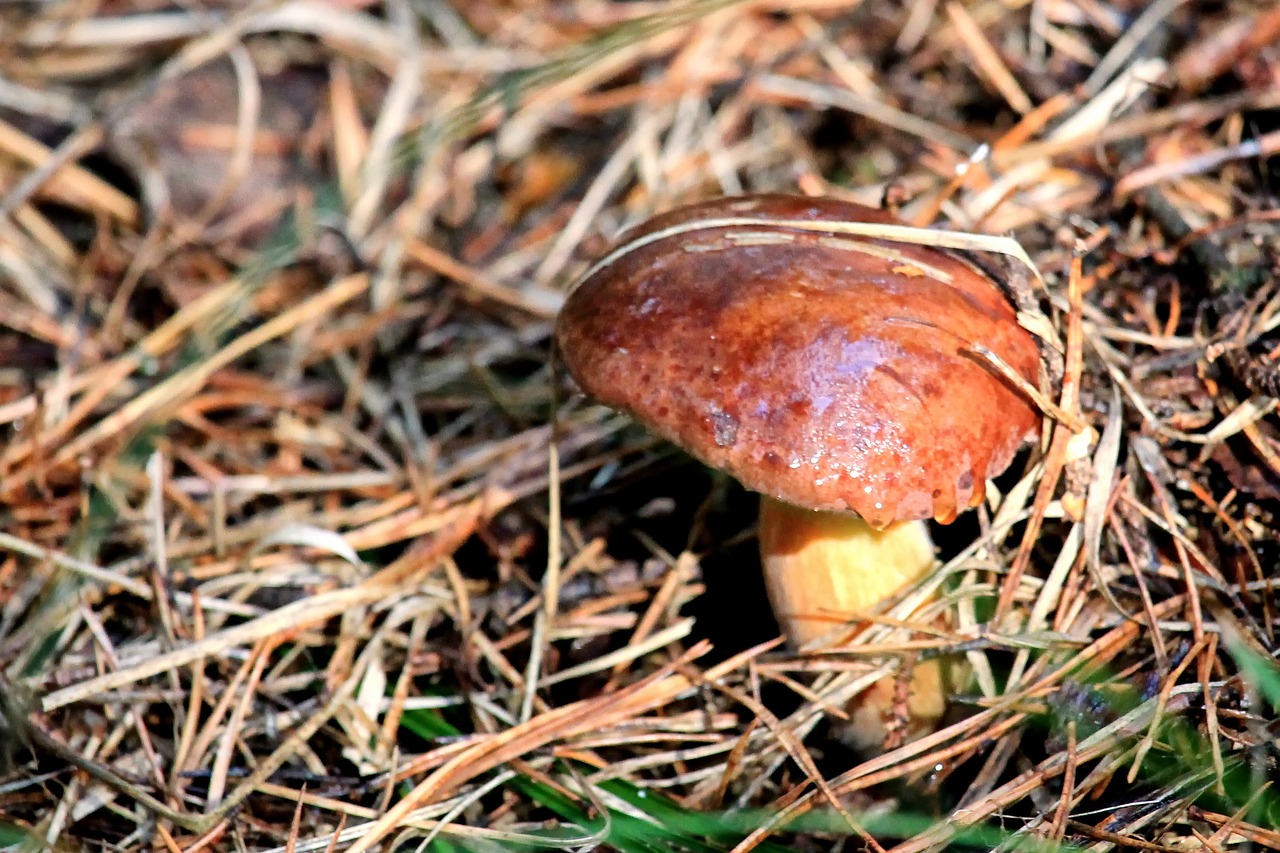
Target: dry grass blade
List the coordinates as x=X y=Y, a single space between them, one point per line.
x=879 y=231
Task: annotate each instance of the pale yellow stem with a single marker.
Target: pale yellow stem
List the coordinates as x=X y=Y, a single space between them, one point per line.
x=824 y=569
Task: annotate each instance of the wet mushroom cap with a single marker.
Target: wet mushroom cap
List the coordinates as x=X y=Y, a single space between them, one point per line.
x=827 y=371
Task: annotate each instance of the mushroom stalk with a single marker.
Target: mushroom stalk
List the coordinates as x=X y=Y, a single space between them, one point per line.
x=824 y=568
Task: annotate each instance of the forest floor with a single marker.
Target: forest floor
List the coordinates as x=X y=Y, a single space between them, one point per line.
x=307 y=542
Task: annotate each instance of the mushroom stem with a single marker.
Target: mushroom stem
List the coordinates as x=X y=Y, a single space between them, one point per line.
x=822 y=568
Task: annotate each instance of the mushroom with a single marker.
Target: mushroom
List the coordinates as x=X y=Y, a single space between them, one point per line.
x=831 y=374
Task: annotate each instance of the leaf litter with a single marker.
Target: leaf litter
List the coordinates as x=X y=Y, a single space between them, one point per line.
x=307 y=543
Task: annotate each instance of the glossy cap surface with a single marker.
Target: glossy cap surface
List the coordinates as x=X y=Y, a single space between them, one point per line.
x=826 y=371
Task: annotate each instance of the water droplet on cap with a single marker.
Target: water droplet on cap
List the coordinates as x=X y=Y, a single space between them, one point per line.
x=725 y=428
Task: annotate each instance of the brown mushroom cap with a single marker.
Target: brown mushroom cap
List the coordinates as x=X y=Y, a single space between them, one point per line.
x=827 y=371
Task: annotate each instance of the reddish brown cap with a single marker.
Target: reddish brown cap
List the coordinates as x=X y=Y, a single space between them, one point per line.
x=826 y=371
